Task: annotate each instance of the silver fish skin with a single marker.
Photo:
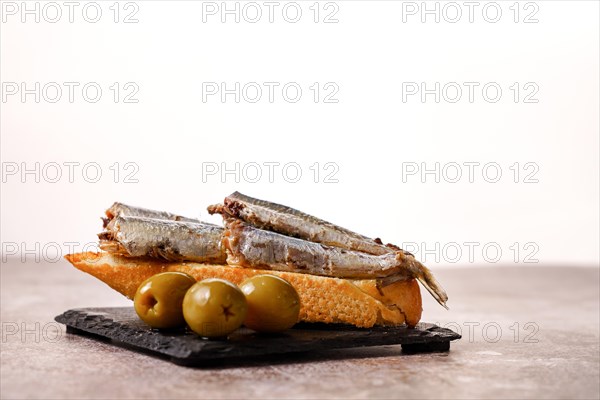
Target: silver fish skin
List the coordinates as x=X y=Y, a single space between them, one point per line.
x=171 y=240
x=250 y=247
x=120 y=209
x=291 y=222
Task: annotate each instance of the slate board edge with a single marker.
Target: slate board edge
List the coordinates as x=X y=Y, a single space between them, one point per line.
x=94 y=321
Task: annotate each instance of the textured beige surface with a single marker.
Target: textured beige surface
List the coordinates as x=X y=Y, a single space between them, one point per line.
x=564 y=363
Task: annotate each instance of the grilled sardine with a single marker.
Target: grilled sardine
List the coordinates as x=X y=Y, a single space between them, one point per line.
x=291 y=222
x=120 y=209
x=272 y=237
x=250 y=247
x=171 y=240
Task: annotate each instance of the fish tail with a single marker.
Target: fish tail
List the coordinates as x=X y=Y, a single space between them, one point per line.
x=424 y=275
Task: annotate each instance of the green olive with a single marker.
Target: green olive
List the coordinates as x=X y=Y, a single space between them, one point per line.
x=158 y=299
x=214 y=308
x=273 y=304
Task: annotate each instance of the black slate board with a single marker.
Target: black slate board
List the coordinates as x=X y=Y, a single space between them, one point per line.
x=122 y=326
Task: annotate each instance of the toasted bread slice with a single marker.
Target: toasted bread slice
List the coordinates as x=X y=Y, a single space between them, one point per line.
x=329 y=300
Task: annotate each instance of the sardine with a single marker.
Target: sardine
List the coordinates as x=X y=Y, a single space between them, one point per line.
x=171 y=240
x=290 y=241
x=120 y=209
x=291 y=222
x=250 y=247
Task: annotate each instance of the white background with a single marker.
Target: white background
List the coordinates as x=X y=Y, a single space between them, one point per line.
x=370 y=133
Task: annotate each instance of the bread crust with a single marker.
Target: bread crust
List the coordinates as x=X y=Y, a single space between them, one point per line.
x=327 y=300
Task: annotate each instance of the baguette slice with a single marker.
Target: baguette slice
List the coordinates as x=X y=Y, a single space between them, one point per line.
x=329 y=300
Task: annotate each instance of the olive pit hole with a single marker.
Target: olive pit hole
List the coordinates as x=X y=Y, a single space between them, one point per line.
x=151 y=301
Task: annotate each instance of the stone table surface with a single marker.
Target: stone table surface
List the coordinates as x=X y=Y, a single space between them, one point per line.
x=528 y=332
